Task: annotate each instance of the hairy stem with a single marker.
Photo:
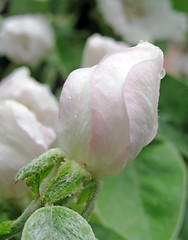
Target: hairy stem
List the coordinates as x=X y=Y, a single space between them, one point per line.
x=17 y=225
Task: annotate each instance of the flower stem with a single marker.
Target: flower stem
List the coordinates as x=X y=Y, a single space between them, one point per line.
x=17 y=225
x=90 y=204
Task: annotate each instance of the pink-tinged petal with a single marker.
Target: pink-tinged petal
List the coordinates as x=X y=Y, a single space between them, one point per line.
x=73 y=128
x=109 y=116
x=141 y=92
x=109 y=112
x=111 y=131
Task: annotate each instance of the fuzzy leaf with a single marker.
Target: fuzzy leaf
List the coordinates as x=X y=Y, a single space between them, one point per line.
x=40 y=164
x=57 y=223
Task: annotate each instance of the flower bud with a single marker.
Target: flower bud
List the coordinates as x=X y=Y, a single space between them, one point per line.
x=19 y=86
x=97 y=47
x=108 y=113
x=22 y=138
x=26 y=38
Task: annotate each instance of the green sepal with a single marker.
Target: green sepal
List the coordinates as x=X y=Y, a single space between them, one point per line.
x=35 y=180
x=40 y=164
x=69 y=180
x=83 y=195
x=34 y=183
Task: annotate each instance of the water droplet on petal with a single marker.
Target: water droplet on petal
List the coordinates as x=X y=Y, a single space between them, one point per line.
x=163 y=73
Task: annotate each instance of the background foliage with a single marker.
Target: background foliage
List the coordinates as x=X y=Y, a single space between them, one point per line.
x=148 y=200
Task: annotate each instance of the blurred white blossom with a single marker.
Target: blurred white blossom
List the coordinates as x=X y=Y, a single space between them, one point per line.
x=37 y=97
x=22 y=138
x=176 y=60
x=26 y=38
x=147 y=19
x=97 y=47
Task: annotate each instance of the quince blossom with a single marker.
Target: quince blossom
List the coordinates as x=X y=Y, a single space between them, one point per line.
x=19 y=86
x=26 y=38
x=97 y=47
x=22 y=138
x=149 y=20
x=108 y=112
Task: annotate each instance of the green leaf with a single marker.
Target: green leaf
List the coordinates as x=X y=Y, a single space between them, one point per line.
x=104 y=233
x=9 y=210
x=180 y=5
x=4 y=217
x=38 y=169
x=5 y=228
x=57 y=223
x=173 y=117
x=29 y=6
x=147 y=200
x=184 y=229
x=69 y=180
x=40 y=164
x=9 y=229
x=69 y=48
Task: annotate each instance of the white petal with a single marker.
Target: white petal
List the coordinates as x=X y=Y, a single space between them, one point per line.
x=111 y=117
x=21 y=139
x=100 y=106
x=141 y=93
x=19 y=86
x=26 y=38
x=74 y=115
x=97 y=47
x=148 y=20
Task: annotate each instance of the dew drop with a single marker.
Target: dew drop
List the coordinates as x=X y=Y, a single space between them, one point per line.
x=163 y=73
